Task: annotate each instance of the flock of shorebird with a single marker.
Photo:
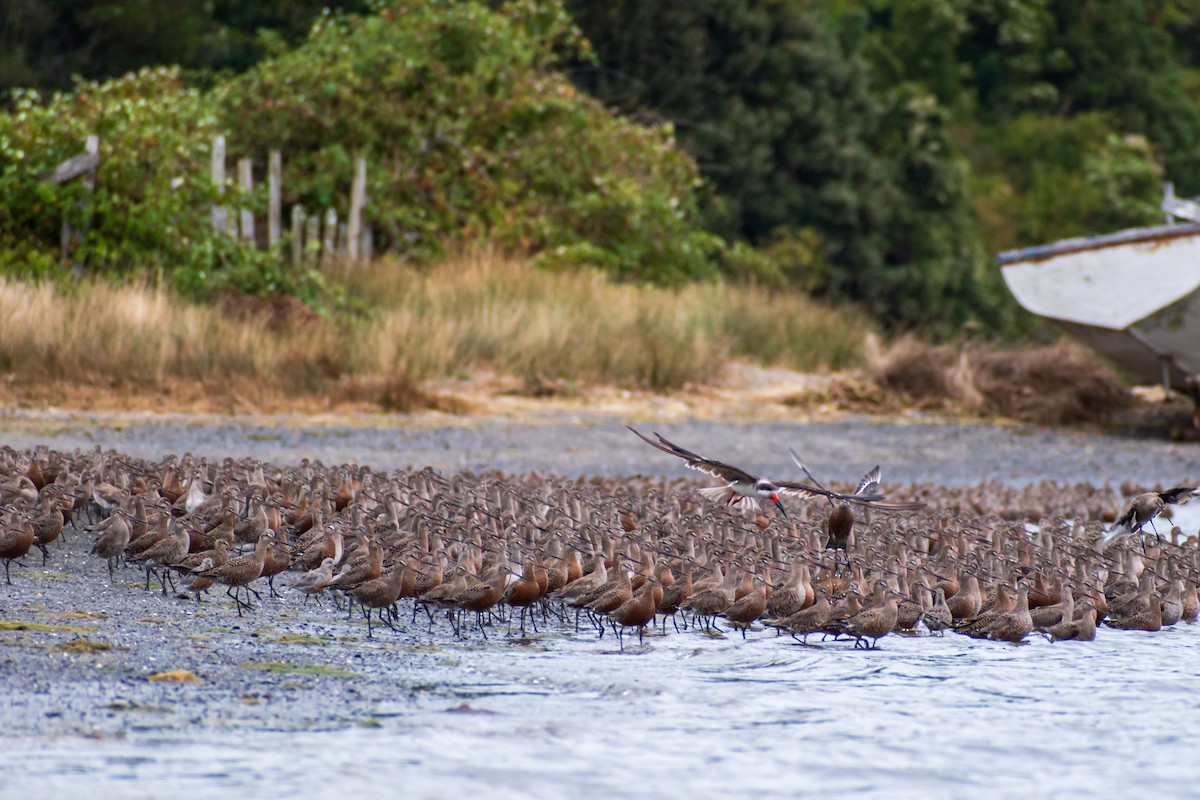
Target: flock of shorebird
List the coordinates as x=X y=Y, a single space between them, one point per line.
x=989 y=561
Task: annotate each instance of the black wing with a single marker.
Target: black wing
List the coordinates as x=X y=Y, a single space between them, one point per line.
x=717 y=469
x=1178 y=495
x=869 y=501
x=1126 y=522
x=794 y=489
x=867 y=490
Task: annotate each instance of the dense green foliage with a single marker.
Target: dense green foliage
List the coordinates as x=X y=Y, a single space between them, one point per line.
x=472 y=136
x=149 y=209
x=43 y=43
x=880 y=151
x=469 y=133
x=908 y=140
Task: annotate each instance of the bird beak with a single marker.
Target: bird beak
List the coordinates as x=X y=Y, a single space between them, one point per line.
x=779 y=505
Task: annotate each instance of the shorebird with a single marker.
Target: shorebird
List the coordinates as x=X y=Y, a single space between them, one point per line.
x=865 y=494
x=316 y=580
x=938 y=617
x=48 y=522
x=239 y=573
x=1144 y=508
x=112 y=541
x=809 y=620
x=1080 y=629
x=740 y=486
x=16 y=537
x=163 y=554
x=876 y=620
x=636 y=612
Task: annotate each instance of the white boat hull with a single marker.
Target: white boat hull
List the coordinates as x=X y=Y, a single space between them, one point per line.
x=1133 y=296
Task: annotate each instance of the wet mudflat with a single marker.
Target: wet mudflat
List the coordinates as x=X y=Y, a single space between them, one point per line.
x=295 y=699
x=912 y=448
x=298 y=701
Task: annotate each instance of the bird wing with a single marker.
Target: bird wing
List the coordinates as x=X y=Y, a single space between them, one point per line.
x=795 y=489
x=717 y=469
x=1178 y=495
x=869 y=485
x=812 y=478
x=887 y=505
x=1123 y=525
x=1121 y=528
x=866 y=492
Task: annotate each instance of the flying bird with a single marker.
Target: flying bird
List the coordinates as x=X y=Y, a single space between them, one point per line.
x=865 y=494
x=1144 y=508
x=741 y=488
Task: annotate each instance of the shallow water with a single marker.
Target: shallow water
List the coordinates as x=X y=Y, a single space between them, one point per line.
x=564 y=714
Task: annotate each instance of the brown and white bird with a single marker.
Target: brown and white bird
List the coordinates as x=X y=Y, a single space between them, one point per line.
x=1144 y=508
x=740 y=486
x=865 y=494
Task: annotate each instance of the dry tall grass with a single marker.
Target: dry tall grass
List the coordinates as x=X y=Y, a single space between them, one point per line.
x=479 y=312
x=486 y=311
x=130 y=334
x=1058 y=383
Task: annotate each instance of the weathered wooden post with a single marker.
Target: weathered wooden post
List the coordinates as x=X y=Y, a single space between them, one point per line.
x=329 y=243
x=220 y=214
x=358 y=199
x=246 y=184
x=297 y=233
x=312 y=238
x=274 y=198
x=81 y=166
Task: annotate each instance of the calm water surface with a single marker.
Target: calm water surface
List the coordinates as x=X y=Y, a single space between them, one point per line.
x=687 y=714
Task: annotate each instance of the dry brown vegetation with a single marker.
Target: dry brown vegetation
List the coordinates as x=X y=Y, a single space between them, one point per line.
x=480 y=329
x=1057 y=383
x=142 y=347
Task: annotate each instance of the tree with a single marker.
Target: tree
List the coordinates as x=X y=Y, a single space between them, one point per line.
x=44 y=43
x=776 y=100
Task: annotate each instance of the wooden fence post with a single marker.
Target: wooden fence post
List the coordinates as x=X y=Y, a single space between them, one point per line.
x=220 y=215
x=274 y=195
x=297 y=233
x=366 y=248
x=246 y=184
x=312 y=238
x=329 y=243
x=358 y=199
x=82 y=166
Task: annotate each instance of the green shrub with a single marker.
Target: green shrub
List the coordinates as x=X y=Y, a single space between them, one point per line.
x=469 y=133
x=472 y=137
x=150 y=206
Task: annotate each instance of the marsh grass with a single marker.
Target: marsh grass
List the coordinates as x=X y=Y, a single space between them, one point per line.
x=485 y=311
x=480 y=311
